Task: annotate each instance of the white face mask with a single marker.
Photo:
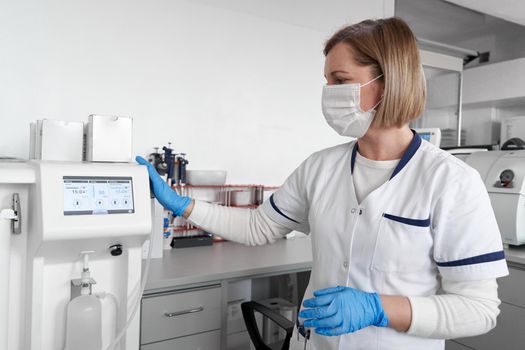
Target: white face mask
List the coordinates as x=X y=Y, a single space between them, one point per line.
x=342 y=109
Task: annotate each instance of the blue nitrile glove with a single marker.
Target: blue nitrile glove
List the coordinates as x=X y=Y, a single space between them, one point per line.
x=340 y=310
x=164 y=194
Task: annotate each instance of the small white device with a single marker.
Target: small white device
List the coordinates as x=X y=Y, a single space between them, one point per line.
x=504 y=175
x=432 y=135
x=109 y=139
x=56 y=140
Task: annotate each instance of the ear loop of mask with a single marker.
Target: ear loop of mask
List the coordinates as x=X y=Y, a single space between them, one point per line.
x=381 y=99
x=371 y=81
x=377 y=104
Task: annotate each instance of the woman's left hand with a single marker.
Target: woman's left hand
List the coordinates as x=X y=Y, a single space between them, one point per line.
x=340 y=310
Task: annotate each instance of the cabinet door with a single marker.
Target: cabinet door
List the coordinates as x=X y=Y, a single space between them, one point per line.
x=238 y=341
x=180 y=313
x=509 y=333
x=203 y=341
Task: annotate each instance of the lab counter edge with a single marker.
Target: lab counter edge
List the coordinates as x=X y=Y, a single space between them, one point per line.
x=189 y=267
x=182 y=268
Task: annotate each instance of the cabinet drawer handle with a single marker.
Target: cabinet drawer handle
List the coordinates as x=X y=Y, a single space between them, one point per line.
x=184 y=312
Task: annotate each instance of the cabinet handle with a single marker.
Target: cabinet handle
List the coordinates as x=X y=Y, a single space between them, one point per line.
x=184 y=312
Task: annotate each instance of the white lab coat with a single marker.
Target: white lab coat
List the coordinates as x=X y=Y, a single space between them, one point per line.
x=431 y=220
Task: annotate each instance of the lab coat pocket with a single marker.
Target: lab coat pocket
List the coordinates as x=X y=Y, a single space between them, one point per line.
x=403 y=244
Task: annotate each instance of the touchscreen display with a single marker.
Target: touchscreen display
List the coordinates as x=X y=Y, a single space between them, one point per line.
x=425 y=135
x=93 y=195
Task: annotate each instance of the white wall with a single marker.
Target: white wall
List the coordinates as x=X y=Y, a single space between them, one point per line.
x=234 y=90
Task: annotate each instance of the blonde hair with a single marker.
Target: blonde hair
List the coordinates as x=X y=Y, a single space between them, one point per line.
x=388 y=47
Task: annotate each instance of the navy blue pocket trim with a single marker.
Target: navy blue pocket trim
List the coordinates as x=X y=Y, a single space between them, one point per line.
x=280 y=212
x=489 y=257
x=408 y=221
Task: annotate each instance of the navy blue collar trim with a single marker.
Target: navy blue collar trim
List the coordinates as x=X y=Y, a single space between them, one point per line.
x=409 y=153
x=354 y=152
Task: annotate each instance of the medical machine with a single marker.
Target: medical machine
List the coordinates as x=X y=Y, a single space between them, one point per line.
x=432 y=135
x=463 y=152
x=504 y=175
x=71 y=238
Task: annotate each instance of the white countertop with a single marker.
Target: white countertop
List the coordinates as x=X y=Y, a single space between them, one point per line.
x=186 y=267
x=181 y=267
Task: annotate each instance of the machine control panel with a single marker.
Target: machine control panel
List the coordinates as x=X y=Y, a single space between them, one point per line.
x=93 y=195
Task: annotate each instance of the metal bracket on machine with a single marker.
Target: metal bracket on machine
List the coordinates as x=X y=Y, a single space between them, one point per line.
x=78 y=283
x=14 y=214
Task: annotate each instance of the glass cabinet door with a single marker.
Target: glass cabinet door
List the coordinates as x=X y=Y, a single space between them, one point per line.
x=443 y=108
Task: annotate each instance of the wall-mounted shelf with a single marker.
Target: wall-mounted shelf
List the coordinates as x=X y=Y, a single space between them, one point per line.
x=248 y=196
x=495 y=85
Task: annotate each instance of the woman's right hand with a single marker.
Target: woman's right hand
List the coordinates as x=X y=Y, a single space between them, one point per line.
x=163 y=192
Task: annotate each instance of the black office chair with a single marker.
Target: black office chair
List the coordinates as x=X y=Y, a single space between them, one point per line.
x=248 y=313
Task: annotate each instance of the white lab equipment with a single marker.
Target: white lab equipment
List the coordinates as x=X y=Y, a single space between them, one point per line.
x=504 y=175
x=109 y=139
x=15 y=178
x=432 y=135
x=463 y=152
x=64 y=210
x=56 y=140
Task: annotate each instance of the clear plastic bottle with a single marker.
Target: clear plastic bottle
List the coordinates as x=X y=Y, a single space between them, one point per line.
x=84 y=316
x=84 y=323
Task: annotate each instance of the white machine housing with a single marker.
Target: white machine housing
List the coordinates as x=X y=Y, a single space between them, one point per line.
x=15 y=180
x=507 y=197
x=50 y=256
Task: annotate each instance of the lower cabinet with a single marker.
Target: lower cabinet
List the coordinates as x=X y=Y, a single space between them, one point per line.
x=203 y=341
x=188 y=319
x=237 y=337
x=238 y=341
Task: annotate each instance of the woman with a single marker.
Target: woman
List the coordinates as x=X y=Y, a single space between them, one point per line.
x=406 y=249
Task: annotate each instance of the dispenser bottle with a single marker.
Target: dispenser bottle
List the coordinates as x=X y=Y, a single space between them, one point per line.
x=84 y=316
